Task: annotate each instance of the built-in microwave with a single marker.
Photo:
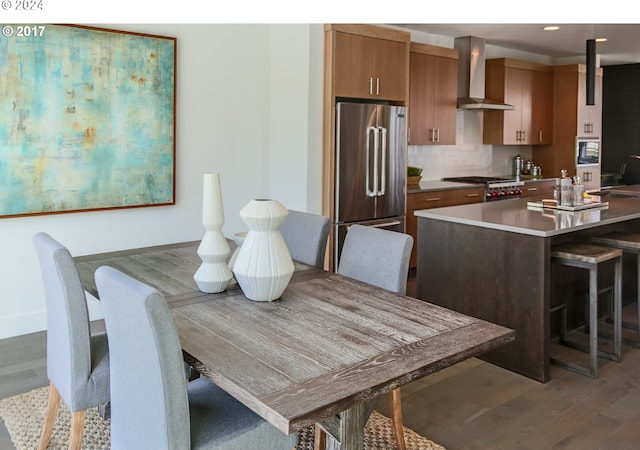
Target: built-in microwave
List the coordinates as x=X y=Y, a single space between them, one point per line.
x=588 y=151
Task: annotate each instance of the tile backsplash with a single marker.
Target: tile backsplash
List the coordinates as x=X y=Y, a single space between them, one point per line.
x=469 y=156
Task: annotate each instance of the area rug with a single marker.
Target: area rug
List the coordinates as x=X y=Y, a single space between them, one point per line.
x=23 y=416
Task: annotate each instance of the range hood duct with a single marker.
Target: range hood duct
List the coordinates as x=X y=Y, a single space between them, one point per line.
x=471 y=70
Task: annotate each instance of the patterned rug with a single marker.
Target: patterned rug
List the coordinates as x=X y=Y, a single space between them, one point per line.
x=23 y=416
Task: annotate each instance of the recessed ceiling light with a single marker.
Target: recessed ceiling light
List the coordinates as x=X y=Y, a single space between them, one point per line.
x=601 y=39
x=551 y=28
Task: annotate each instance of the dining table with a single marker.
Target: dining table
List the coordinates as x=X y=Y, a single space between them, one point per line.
x=321 y=354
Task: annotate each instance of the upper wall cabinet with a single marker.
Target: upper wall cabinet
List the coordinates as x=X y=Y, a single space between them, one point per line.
x=589 y=121
x=372 y=65
x=433 y=83
x=529 y=88
x=572 y=118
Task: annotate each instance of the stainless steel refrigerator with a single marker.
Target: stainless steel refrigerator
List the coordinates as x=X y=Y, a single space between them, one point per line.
x=371 y=168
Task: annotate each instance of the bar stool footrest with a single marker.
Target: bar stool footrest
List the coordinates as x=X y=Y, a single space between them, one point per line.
x=585 y=348
x=574 y=367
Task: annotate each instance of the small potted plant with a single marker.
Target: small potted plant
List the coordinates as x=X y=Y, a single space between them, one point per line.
x=414 y=175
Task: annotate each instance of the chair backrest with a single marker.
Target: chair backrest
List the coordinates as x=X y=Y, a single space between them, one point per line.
x=149 y=406
x=306 y=237
x=630 y=170
x=376 y=256
x=68 y=332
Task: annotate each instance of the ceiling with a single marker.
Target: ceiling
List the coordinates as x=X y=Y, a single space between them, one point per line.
x=622 y=46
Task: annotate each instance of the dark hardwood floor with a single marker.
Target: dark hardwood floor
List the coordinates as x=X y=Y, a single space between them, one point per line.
x=472 y=405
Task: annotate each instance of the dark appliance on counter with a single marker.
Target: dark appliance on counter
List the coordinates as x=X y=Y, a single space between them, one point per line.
x=495 y=188
x=371 y=168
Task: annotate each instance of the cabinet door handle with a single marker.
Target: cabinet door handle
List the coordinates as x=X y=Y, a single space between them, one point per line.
x=438 y=134
x=370 y=85
x=540 y=137
x=377 y=86
x=472 y=195
x=433 y=199
x=533 y=189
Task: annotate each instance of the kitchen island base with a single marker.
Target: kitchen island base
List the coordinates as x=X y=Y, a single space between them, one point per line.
x=494 y=275
x=505 y=277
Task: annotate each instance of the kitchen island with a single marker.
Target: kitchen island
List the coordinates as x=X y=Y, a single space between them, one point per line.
x=492 y=261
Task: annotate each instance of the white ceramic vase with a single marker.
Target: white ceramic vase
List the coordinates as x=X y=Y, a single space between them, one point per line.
x=238 y=238
x=213 y=275
x=263 y=267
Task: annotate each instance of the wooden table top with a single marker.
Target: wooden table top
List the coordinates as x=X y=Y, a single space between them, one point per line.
x=328 y=344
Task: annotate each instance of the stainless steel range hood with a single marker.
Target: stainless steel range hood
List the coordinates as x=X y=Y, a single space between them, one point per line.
x=471 y=69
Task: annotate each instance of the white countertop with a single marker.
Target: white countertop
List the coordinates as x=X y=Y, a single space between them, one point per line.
x=514 y=216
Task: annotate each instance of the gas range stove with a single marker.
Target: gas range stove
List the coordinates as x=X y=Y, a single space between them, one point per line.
x=495 y=188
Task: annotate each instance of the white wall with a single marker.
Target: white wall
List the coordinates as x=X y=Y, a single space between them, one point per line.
x=248 y=106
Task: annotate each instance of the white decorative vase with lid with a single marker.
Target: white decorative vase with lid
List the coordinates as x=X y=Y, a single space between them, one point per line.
x=263 y=267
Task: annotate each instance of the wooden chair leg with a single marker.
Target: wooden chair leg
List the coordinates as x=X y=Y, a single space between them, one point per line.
x=77 y=429
x=50 y=417
x=396 y=417
x=319 y=438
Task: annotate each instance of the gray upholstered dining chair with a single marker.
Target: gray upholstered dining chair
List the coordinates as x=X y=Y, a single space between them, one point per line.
x=381 y=258
x=306 y=237
x=77 y=362
x=151 y=405
x=376 y=256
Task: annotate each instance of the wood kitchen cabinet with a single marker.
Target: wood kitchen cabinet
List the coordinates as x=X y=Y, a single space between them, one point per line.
x=436 y=199
x=572 y=117
x=542 y=188
x=370 y=67
x=529 y=88
x=590 y=176
x=542 y=108
x=433 y=90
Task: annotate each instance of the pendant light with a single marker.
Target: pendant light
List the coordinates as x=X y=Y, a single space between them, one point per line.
x=591 y=71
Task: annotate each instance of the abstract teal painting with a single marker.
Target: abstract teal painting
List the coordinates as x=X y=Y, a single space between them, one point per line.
x=87 y=119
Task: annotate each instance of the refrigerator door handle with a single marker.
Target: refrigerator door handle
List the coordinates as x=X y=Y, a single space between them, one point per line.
x=376 y=153
x=383 y=166
x=371 y=192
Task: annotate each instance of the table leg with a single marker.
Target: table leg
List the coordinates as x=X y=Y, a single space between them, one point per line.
x=351 y=427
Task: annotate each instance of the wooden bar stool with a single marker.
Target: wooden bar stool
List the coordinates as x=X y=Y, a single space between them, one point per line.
x=630 y=243
x=589 y=256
